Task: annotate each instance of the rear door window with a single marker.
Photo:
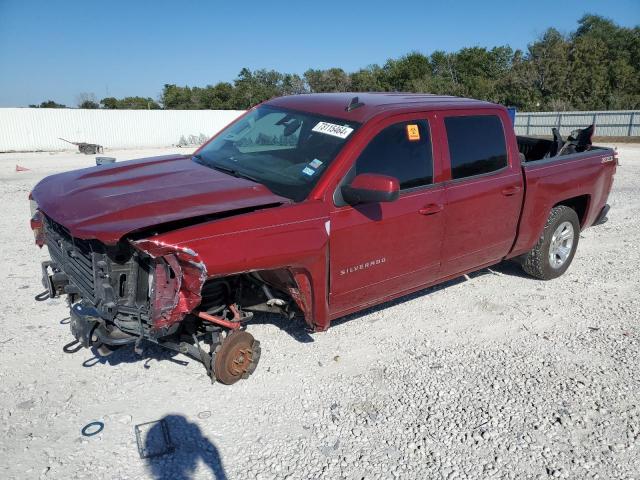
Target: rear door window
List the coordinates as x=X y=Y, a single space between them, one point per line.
x=476 y=145
x=403 y=151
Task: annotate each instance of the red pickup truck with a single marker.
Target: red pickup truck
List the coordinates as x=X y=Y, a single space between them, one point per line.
x=315 y=205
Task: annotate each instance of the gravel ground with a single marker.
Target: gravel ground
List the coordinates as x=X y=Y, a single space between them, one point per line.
x=492 y=376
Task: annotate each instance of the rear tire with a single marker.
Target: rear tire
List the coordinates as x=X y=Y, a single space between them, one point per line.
x=556 y=247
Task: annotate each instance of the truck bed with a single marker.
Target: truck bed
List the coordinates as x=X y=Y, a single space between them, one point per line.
x=536 y=148
x=585 y=178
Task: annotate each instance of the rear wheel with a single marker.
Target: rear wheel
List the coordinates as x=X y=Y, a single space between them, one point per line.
x=556 y=247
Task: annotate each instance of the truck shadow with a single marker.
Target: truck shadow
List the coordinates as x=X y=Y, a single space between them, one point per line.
x=126 y=354
x=187 y=448
x=296 y=328
x=512 y=269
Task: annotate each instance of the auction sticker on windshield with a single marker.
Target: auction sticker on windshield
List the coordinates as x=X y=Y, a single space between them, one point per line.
x=339 y=131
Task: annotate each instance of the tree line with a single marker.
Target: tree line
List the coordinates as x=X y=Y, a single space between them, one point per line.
x=595 y=67
x=88 y=100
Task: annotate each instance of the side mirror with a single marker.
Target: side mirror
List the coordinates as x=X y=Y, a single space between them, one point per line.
x=371 y=188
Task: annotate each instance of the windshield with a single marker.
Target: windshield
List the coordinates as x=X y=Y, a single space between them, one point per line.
x=284 y=150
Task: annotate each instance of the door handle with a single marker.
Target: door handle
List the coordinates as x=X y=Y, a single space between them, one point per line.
x=509 y=191
x=431 y=209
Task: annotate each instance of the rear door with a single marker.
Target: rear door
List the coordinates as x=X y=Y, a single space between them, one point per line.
x=484 y=191
x=378 y=250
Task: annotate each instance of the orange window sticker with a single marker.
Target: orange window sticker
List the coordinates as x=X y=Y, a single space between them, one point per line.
x=413 y=133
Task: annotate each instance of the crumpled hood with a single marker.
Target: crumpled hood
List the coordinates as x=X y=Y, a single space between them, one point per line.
x=109 y=201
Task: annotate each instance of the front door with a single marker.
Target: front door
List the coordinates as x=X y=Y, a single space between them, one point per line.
x=378 y=250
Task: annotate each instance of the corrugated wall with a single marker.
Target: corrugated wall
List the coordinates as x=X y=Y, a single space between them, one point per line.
x=622 y=123
x=29 y=129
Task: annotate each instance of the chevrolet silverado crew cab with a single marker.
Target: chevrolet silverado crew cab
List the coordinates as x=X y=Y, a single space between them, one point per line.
x=314 y=205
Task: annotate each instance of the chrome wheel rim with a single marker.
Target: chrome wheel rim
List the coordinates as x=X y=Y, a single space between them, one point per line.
x=561 y=245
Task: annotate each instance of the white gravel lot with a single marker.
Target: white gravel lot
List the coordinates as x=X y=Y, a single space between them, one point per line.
x=494 y=376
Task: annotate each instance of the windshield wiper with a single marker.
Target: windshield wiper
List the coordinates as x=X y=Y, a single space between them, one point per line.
x=227 y=170
x=198 y=159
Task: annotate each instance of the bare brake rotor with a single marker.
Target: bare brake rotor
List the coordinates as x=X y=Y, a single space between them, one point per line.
x=236 y=358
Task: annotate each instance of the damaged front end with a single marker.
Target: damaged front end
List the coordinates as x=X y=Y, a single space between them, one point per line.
x=178 y=277
x=148 y=290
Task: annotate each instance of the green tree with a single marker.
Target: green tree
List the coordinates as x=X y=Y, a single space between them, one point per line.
x=330 y=80
x=445 y=80
x=138 y=103
x=174 y=97
x=550 y=60
x=369 y=79
x=516 y=88
x=588 y=74
x=129 y=103
x=90 y=104
x=292 y=84
x=615 y=81
x=401 y=74
x=48 y=104
x=252 y=88
x=215 y=97
x=110 y=103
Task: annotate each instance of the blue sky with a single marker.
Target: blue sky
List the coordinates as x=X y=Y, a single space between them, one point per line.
x=58 y=49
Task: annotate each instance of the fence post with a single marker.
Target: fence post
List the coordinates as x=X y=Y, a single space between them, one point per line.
x=633 y=116
x=528 y=123
x=559 y=121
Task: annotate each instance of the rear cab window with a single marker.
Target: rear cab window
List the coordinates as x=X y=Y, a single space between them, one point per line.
x=477 y=145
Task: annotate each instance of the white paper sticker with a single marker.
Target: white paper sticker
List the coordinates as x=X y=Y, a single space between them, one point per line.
x=332 y=129
x=315 y=163
x=308 y=171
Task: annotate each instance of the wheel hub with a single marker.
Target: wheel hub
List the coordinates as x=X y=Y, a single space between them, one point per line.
x=242 y=359
x=236 y=358
x=561 y=244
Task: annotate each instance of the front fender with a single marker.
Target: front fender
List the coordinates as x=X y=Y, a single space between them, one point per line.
x=291 y=237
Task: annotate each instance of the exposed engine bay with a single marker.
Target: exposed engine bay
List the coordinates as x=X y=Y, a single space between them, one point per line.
x=144 y=290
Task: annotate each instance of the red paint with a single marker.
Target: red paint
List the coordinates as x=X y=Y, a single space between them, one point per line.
x=382 y=183
x=173 y=296
x=345 y=258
